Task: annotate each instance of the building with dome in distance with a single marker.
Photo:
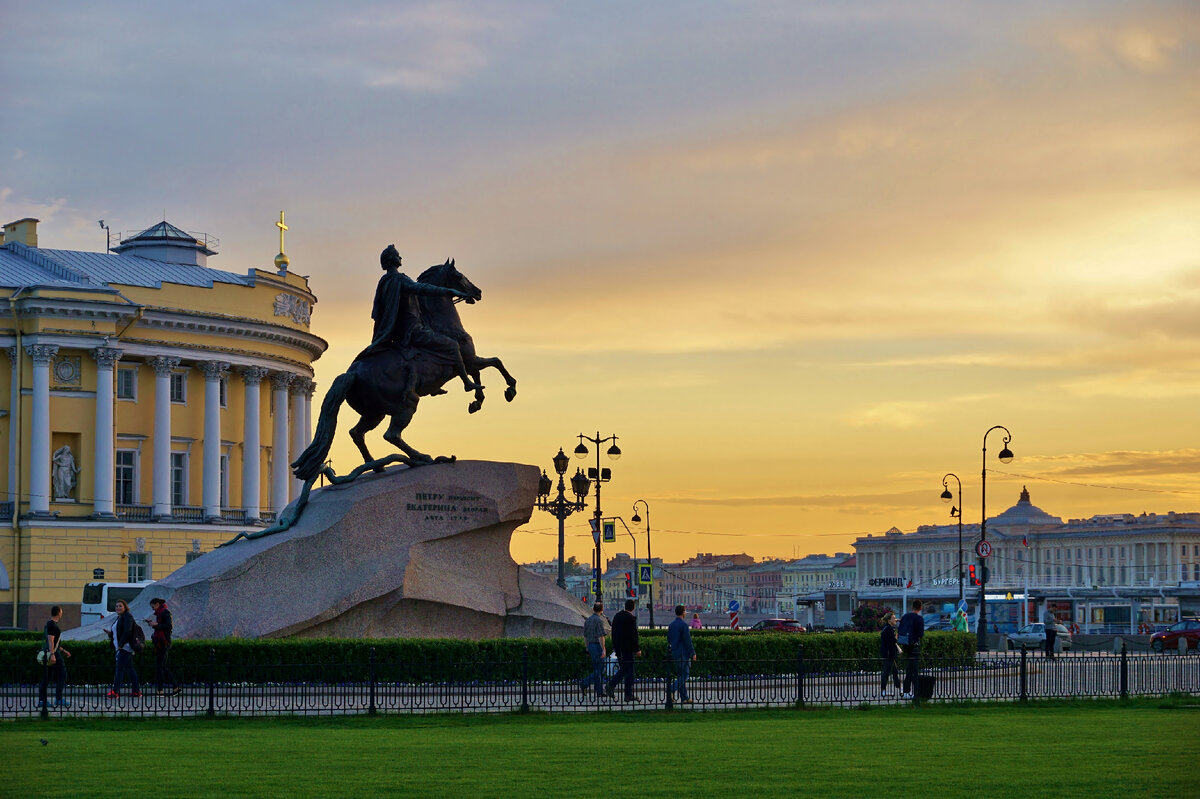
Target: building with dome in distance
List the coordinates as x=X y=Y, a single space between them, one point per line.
x=1110 y=573
x=149 y=407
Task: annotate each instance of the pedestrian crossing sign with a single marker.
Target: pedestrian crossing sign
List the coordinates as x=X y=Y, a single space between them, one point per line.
x=645 y=574
x=610 y=531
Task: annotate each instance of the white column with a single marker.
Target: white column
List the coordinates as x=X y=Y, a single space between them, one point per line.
x=251 y=442
x=279 y=441
x=308 y=395
x=162 y=366
x=14 y=399
x=211 y=492
x=39 y=441
x=298 y=388
x=102 y=468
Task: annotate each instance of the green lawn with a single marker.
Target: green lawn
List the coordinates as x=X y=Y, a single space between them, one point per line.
x=1143 y=748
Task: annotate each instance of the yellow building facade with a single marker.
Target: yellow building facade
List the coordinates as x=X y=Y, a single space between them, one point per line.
x=149 y=408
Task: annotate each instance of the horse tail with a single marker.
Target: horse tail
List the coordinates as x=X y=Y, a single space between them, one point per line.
x=309 y=464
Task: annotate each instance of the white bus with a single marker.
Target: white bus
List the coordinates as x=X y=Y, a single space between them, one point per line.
x=100 y=599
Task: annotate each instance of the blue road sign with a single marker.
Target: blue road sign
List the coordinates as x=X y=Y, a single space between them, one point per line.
x=962 y=605
x=645 y=574
x=734 y=606
x=610 y=532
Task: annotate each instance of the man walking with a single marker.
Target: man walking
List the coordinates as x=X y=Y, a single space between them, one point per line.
x=55 y=661
x=1051 y=630
x=679 y=641
x=625 y=644
x=594 y=631
x=909 y=634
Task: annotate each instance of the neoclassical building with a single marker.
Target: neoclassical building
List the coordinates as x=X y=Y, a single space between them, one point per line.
x=149 y=408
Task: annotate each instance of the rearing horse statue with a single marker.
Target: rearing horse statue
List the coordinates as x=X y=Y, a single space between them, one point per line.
x=388 y=381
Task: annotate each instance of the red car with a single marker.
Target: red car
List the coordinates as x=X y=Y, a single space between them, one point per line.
x=777 y=626
x=1168 y=639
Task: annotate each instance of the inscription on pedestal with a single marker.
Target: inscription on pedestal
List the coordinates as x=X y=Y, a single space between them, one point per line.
x=447 y=507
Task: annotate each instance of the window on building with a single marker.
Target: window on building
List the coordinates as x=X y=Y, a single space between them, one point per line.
x=224 y=481
x=179 y=463
x=223 y=390
x=1183 y=551
x=139 y=566
x=1196 y=571
x=127 y=383
x=188 y=557
x=178 y=387
x=125 y=477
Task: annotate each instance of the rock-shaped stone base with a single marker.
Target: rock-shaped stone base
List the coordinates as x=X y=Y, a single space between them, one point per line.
x=419 y=553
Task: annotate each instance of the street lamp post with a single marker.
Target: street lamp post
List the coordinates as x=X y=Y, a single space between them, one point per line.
x=956 y=511
x=649 y=556
x=599 y=476
x=560 y=507
x=1005 y=456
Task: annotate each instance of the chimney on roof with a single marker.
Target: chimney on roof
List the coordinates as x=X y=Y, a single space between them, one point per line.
x=23 y=231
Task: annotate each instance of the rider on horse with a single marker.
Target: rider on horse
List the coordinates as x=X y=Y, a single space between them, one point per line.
x=398 y=322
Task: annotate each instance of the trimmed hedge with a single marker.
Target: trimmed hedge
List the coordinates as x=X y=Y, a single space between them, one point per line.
x=405 y=660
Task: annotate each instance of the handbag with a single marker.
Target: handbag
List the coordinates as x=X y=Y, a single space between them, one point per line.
x=43 y=657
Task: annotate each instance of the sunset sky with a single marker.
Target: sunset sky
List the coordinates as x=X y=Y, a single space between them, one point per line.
x=799 y=256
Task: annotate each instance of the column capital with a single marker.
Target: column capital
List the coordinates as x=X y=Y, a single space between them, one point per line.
x=281 y=380
x=42 y=354
x=214 y=370
x=302 y=385
x=107 y=357
x=12 y=353
x=162 y=364
x=252 y=375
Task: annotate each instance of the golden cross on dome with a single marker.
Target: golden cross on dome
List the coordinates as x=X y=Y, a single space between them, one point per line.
x=282 y=227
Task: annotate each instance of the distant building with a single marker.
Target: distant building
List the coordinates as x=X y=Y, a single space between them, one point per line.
x=1109 y=572
x=152 y=403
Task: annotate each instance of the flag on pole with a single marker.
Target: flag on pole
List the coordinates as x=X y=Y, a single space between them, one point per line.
x=909 y=583
x=1025 y=541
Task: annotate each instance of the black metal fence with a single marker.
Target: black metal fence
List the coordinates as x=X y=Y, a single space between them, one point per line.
x=372 y=687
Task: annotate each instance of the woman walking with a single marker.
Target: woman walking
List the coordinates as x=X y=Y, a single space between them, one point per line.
x=121 y=633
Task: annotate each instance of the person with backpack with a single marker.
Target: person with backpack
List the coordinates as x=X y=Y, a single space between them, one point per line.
x=127 y=638
x=909 y=634
x=162 y=644
x=54 y=661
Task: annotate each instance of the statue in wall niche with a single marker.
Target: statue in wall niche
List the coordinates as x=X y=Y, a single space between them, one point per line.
x=62 y=472
x=418 y=344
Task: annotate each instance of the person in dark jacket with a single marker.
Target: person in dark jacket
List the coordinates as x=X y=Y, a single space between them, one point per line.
x=888 y=650
x=910 y=632
x=162 y=646
x=121 y=633
x=56 y=664
x=679 y=641
x=625 y=645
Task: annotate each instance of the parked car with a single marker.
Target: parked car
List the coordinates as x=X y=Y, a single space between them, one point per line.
x=1033 y=636
x=1168 y=639
x=777 y=626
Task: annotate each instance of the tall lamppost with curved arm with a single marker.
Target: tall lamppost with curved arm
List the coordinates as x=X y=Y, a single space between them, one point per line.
x=649 y=556
x=1005 y=456
x=599 y=476
x=560 y=507
x=956 y=511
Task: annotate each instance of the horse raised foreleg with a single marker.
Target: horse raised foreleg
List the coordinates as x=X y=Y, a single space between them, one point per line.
x=358 y=434
x=480 y=363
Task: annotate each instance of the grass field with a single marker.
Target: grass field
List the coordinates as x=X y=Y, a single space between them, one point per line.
x=1142 y=748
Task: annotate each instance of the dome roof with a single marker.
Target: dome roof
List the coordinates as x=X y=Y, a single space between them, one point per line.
x=1024 y=514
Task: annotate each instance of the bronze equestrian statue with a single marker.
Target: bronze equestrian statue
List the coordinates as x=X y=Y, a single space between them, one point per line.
x=418 y=345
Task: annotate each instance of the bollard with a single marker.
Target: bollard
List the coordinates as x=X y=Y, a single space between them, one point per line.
x=1024 y=673
x=1118 y=645
x=525 y=679
x=371 y=708
x=799 y=675
x=1183 y=649
x=1124 y=673
x=212 y=682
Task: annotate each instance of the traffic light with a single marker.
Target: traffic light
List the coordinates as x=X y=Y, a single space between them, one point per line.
x=629 y=584
x=974 y=578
